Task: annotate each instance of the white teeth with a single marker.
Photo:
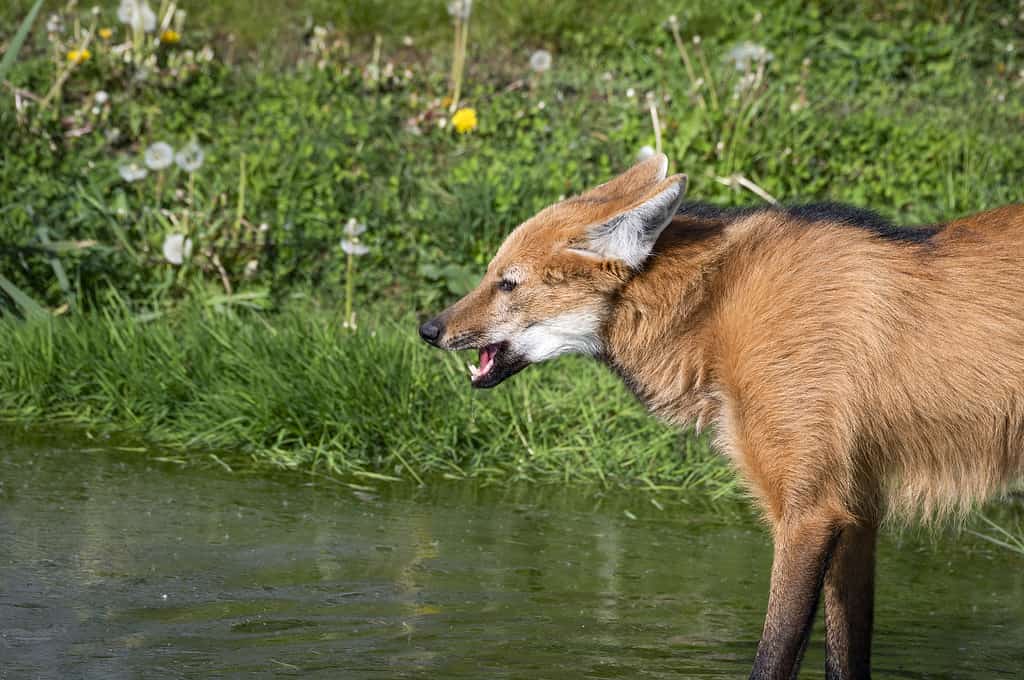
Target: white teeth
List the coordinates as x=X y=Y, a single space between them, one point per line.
x=473 y=370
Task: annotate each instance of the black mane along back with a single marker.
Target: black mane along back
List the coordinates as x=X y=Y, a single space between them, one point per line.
x=840 y=213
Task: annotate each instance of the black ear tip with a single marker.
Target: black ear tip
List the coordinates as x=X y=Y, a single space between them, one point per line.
x=683 y=183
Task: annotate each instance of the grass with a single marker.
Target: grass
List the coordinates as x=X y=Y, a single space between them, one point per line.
x=298 y=392
x=1010 y=539
x=913 y=109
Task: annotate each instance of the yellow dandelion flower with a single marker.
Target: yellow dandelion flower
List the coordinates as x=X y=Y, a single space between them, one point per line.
x=79 y=56
x=170 y=37
x=464 y=120
x=106 y=33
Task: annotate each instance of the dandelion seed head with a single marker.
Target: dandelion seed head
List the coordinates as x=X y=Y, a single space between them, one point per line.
x=354 y=248
x=746 y=54
x=460 y=9
x=54 y=24
x=354 y=228
x=137 y=14
x=645 y=152
x=630 y=92
x=132 y=172
x=540 y=61
x=101 y=97
x=177 y=248
x=159 y=156
x=190 y=157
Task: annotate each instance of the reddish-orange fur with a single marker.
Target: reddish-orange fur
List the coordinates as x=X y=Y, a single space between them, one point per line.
x=840 y=369
x=847 y=375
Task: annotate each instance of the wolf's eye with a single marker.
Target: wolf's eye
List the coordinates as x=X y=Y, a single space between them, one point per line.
x=505 y=285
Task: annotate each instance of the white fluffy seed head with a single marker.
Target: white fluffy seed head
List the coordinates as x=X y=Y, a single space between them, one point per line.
x=159 y=156
x=540 y=61
x=177 y=248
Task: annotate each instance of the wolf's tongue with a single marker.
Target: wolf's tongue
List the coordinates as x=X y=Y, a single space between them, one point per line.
x=486 y=358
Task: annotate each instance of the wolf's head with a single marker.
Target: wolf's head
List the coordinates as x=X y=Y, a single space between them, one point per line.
x=550 y=287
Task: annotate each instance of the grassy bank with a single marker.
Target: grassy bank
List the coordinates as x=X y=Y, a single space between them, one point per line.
x=911 y=108
x=296 y=391
x=311 y=114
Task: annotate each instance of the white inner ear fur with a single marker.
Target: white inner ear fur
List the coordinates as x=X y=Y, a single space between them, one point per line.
x=630 y=236
x=662 y=167
x=576 y=332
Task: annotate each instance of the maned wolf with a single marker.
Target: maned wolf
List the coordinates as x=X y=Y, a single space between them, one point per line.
x=850 y=370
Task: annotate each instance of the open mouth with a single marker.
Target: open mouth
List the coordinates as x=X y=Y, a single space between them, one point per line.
x=496 y=363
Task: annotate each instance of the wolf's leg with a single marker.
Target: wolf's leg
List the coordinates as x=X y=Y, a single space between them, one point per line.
x=802 y=551
x=849 y=604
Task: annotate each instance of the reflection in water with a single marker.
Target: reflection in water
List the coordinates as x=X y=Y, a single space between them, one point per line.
x=115 y=566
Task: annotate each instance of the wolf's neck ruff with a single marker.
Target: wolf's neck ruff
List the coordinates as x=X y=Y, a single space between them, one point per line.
x=668 y=298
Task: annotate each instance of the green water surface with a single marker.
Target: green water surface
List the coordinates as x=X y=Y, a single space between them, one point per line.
x=114 y=565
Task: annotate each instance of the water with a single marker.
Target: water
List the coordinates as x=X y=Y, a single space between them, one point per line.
x=113 y=565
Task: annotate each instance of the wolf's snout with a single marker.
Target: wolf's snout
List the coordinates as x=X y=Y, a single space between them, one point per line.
x=431 y=331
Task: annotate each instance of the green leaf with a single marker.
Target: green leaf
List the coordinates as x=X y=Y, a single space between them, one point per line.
x=17 y=42
x=29 y=307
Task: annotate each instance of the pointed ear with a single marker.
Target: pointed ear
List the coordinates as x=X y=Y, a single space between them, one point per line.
x=630 y=235
x=638 y=179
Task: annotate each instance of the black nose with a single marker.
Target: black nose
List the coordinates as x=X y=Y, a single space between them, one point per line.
x=431 y=331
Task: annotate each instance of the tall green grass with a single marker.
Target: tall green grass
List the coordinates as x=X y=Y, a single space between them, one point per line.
x=297 y=391
x=1011 y=539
